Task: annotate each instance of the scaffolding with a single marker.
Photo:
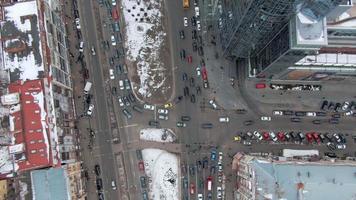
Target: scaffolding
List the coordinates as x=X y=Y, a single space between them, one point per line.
x=246 y=26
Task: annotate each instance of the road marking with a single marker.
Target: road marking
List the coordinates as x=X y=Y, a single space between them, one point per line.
x=131 y=125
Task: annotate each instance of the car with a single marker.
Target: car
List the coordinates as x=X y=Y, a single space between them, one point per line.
x=322 y=138
x=127 y=84
x=191 y=170
x=220 y=167
x=320 y=114
x=148 y=107
x=186 y=91
x=195 y=2
x=316 y=121
x=168 y=105
x=277 y=112
x=194 y=35
x=111 y=72
x=198 y=71
x=260 y=86
x=126 y=101
x=90 y=109
x=121 y=103
x=237 y=138
x=114 y=91
x=113 y=185
x=265 y=135
x=287 y=136
x=144 y=195
x=190 y=59
x=300 y=113
x=281 y=136
x=185 y=118
x=93 y=51
x=192 y=188
x=265 y=118
x=330 y=154
x=162 y=117
x=162 y=111
x=97 y=170
x=349 y=113
x=207 y=125
x=219 y=193
x=197 y=13
x=192 y=98
x=337 y=137
x=143 y=181
x=295 y=119
x=273 y=136
x=345 y=106
x=333 y=121
x=258 y=135
x=77 y=23
x=141 y=166
x=113 y=2
x=316 y=137
x=193 y=20
x=99 y=184
x=81 y=46
x=337 y=107
x=224 y=119
x=241 y=111
x=200 y=196
x=288 y=112
x=132 y=97
x=213 y=103
x=341 y=146
x=195 y=46
x=331 y=146
x=198 y=25
x=113 y=40
x=185 y=19
x=184 y=76
x=200 y=51
x=324 y=105
x=198 y=90
x=301 y=136
x=181 y=34
x=247 y=143
x=101 y=196
x=153 y=123
x=248 y=122
x=127 y=113
x=309 y=137
x=336 y=115
x=192 y=82
x=310 y=114
x=213 y=154
x=331 y=106
x=181 y=124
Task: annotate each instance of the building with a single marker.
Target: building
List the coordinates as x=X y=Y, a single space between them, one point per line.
x=262 y=178
x=76 y=181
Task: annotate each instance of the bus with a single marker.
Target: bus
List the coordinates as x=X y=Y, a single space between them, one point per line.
x=185 y=4
x=209 y=183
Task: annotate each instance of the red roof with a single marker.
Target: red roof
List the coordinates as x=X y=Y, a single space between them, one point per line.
x=31 y=125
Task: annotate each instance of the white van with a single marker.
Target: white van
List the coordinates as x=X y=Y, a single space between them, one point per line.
x=87 y=87
x=121 y=84
x=224 y=119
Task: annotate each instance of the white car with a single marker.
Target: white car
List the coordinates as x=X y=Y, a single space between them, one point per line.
x=212 y=103
x=198 y=25
x=81 y=46
x=185 y=21
x=113 y=2
x=93 y=51
x=148 y=107
x=341 y=146
x=77 y=23
x=273 y=136
x=277 y=112
x=220 y=156
x=121 y=85
x=220 y=167
x=257 y=135
x=90 y=110
x=197 y=11
x=112 y=76
x=265 y=118
x=311 y=114
x=224 y=119
x=121 y=103
x=198 y=71
x=349 y=113
x=345 y=106
x=163 y=117
x=163 y=111
x=219 y=193
x=113 y=40
x=200 y=196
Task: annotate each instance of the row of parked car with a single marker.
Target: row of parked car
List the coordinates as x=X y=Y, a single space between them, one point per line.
x=346 y=107
x=293 y=136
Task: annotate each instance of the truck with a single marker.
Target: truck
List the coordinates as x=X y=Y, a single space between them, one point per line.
x=87 y=87
x=209 y=183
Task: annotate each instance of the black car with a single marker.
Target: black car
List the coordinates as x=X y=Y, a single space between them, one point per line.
x=139 y=154
x=153 y=123
x=337 y=107
x=113 y=91
x=200 y=51
x=295 y=119
x=241 y=111
x=185 y=76
x=181 y=34
x=186 y=91
x=194 y=34
x=324 y=105
x=127 y=113
x=182 y=54
x=248 y=122
x=336 y=115
x=205 y=162
x=143 y=182
x=316 y=121
x=320 y=114
x=185 y=118
x=333 y=121
x=206 y=125
x=100 y=196
x=301 y=136
x=97 y=170
x=195 y=46
x=198 y=90
x=331 y=106
x=300 y=113
x=177 y=99
x=99 y=184
x=192 y=82
x=330 y=154
x=132 y=97
x=288 y=112
x=192 y=98
x=193 y=20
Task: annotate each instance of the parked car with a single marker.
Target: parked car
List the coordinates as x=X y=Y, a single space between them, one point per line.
x=127 y=84
x=143 y=181
x=181 y=124
x=148 y=107
x=265 y=118
x=248 y=122
x=213 y=103
x=127 y=113
x=295 y=119
x=341 y=146
x=185 y=19
x=333 y=121
x=273 y=136
x=331 y=146
x=324 y=105
x=337 y=137
x=260 y=86
x=162 y=117
x=185 y=118
x=162 y=111
x=213 y=155
x=258 y=135
x=207 y=125
x=121 y=103
x=345 y=106
x=99 y=184
x=224 y=119
x=311 y=114
x=90 y=109
x=192 y=98
x=153 y=123
x=181 y=34
x=97 y=170
x=277 y=112
x=113 y=40
x=111 y=72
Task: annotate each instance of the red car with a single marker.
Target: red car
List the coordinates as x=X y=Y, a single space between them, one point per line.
x=192 y=188
x=309 y=137
x=265 y=135
x=281 y=136
x=316 y=137
x=260 y=86
x=190 y=59
x=141 y=166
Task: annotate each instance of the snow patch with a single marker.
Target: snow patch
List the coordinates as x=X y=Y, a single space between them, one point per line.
x=157 y=135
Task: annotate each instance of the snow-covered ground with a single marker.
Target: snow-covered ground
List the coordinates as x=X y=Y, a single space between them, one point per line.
x=161 y=168
x=157 y=135
x=144 y=39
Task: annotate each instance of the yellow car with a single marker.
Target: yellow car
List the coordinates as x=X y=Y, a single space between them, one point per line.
x=237 y=138
x=168 y=105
